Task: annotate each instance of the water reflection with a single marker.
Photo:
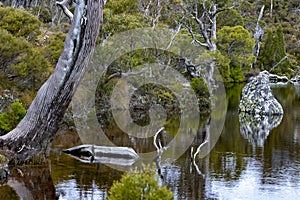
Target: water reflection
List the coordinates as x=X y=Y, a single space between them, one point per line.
x=28 y=183
x=235 y=169
x=76 y=180
x=256 y=128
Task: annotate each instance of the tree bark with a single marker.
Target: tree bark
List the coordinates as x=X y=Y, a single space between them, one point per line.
x=34 y=134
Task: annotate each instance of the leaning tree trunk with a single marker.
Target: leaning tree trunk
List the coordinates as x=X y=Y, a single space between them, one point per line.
x=34 y=134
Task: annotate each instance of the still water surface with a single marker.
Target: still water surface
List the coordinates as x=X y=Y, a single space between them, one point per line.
x=242 y=165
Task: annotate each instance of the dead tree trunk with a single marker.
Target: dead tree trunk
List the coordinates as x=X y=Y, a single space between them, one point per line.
x=34 y=134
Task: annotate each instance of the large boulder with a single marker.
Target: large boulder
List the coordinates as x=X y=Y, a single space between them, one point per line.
x=257 y=97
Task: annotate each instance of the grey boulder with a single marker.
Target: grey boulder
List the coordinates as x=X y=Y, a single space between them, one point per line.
x=257 y=97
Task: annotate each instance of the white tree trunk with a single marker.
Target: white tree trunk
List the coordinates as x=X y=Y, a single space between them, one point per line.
x=213 y=31
x=259 y=32
x=271 y=9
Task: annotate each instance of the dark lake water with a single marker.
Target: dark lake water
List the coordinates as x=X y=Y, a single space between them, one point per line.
x=262 y=162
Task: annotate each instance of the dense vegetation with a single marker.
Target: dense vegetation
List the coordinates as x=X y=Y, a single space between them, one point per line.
x=31 y=39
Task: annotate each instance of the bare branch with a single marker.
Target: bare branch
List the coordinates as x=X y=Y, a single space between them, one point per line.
x=66 y=11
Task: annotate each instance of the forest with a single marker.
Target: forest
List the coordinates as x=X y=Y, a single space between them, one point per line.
x=243 y=37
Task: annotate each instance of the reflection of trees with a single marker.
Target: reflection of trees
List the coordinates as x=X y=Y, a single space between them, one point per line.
x=282 y=149
x=66 y=176
x=87 y=179
x=183 y=179
x=29 y=183
x=232 y=157
x=226 y=161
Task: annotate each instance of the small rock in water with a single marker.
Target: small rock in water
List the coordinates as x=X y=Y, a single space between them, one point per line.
x=257 y=97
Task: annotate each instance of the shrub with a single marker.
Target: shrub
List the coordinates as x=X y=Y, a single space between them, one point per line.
x=19 y=22
x=55 y=48
x=23 y=62
x=33 y=69
x=10 y=119
x=10 y=47
x=201 y=89
x=139 y=185
x=230 y=17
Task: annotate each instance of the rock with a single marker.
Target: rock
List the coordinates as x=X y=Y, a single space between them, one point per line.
x=257 y=97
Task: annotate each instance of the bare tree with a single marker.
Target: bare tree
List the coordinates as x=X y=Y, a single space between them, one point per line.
x=200 y=19
x=33 y=135
x=259 y=32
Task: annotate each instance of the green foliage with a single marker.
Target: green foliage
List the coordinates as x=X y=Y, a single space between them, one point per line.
x=7 y=192
x=230 y=17
x=236 y=73
x=10 y=119
x=273 y=51
x=201 y=89
x=2 y=159
x=246 y=8
x=236 y=44
x=32 y=66
x=55 y=47
x=223 y=65
x=139 y=185
x=20 y=60
x=115 y=23
x=121 y=15
x=10 y=47
x=19 y=22
x=122 y=6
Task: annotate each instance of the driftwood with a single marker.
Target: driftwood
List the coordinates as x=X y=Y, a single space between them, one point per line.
x=122 y=156
x=89 y=153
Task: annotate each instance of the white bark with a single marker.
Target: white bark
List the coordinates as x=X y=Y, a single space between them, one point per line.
x=259 y=32
x=271 y=9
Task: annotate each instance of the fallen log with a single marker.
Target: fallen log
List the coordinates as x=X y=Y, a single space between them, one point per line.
x=89 y=153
